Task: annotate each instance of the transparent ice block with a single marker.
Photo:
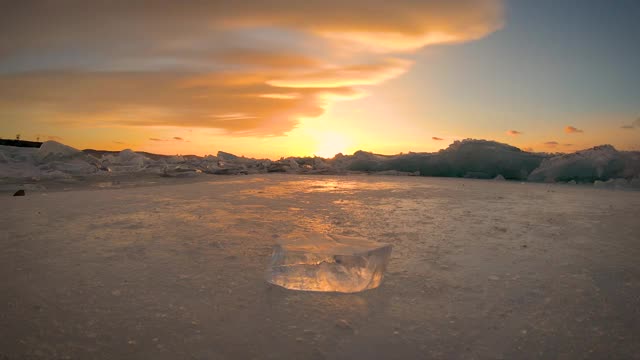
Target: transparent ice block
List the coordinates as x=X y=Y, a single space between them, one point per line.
x=320 y=262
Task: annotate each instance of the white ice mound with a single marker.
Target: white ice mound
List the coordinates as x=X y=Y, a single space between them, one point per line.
x=126 y=161
x=601 y=163
x=53 y=150
x=328 y=263
x=51 y=160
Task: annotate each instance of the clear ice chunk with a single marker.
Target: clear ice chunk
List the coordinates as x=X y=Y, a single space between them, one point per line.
x=328 y=263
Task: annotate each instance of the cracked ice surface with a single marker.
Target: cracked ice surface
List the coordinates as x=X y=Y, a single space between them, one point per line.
x=328 y=263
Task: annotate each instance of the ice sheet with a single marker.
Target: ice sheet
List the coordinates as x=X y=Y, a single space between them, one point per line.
x=177 y=271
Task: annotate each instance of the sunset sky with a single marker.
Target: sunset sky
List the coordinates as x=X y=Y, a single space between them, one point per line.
x=271 y=78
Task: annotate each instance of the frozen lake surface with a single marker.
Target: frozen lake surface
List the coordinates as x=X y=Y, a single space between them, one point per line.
x=479 y=270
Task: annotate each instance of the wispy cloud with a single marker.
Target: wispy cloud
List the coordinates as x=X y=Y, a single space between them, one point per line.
x=437 y=138
x=551 y=143
x=572 y=130
x=514 y=132
x=175 y=138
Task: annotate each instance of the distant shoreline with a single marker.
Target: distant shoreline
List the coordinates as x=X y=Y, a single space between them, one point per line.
x=20 y=143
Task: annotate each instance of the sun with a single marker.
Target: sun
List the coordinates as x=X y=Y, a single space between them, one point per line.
x=331 y=143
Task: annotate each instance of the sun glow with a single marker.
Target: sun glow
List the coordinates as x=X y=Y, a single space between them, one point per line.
x=331 y=143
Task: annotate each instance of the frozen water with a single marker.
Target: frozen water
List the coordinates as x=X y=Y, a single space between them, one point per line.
x=177 y=159
x=554 y=261
x=328 y=263
x=3 y=158
x=127 y=159
x=51 y=160
x=294 y=164
x=613 y=184
x=468 y=158
x=53 y=150
x=600 y=163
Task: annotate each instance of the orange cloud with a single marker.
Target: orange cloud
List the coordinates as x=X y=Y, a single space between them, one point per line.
x=284 y=96
x=265 y=59
x=163 y=99
x=551 y=143
x=514 y=132
x=384 y=26
x=437 y=138
x=197 y=63
x=572 y=130
x=166 y=24
x=363 y=74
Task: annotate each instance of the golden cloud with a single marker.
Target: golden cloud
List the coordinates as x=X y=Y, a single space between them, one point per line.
x=250 y=68
x=364 y=74
x=265 y=59
x=572 y=130
x=163 y=99
x=176 y=23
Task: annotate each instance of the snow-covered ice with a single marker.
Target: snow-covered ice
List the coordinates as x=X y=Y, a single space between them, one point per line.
x=468 y=158
x=479 y=269
x=330 y=263
x=600 y=163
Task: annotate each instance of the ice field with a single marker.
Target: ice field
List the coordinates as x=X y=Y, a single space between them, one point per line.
x=479 y=269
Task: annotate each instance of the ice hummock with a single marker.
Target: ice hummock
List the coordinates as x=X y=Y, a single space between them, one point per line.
x=329 y=263
x=599 y=163
x=467 y=158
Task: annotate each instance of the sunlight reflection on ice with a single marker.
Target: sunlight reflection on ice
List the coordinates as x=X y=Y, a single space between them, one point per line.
x=329 y=186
